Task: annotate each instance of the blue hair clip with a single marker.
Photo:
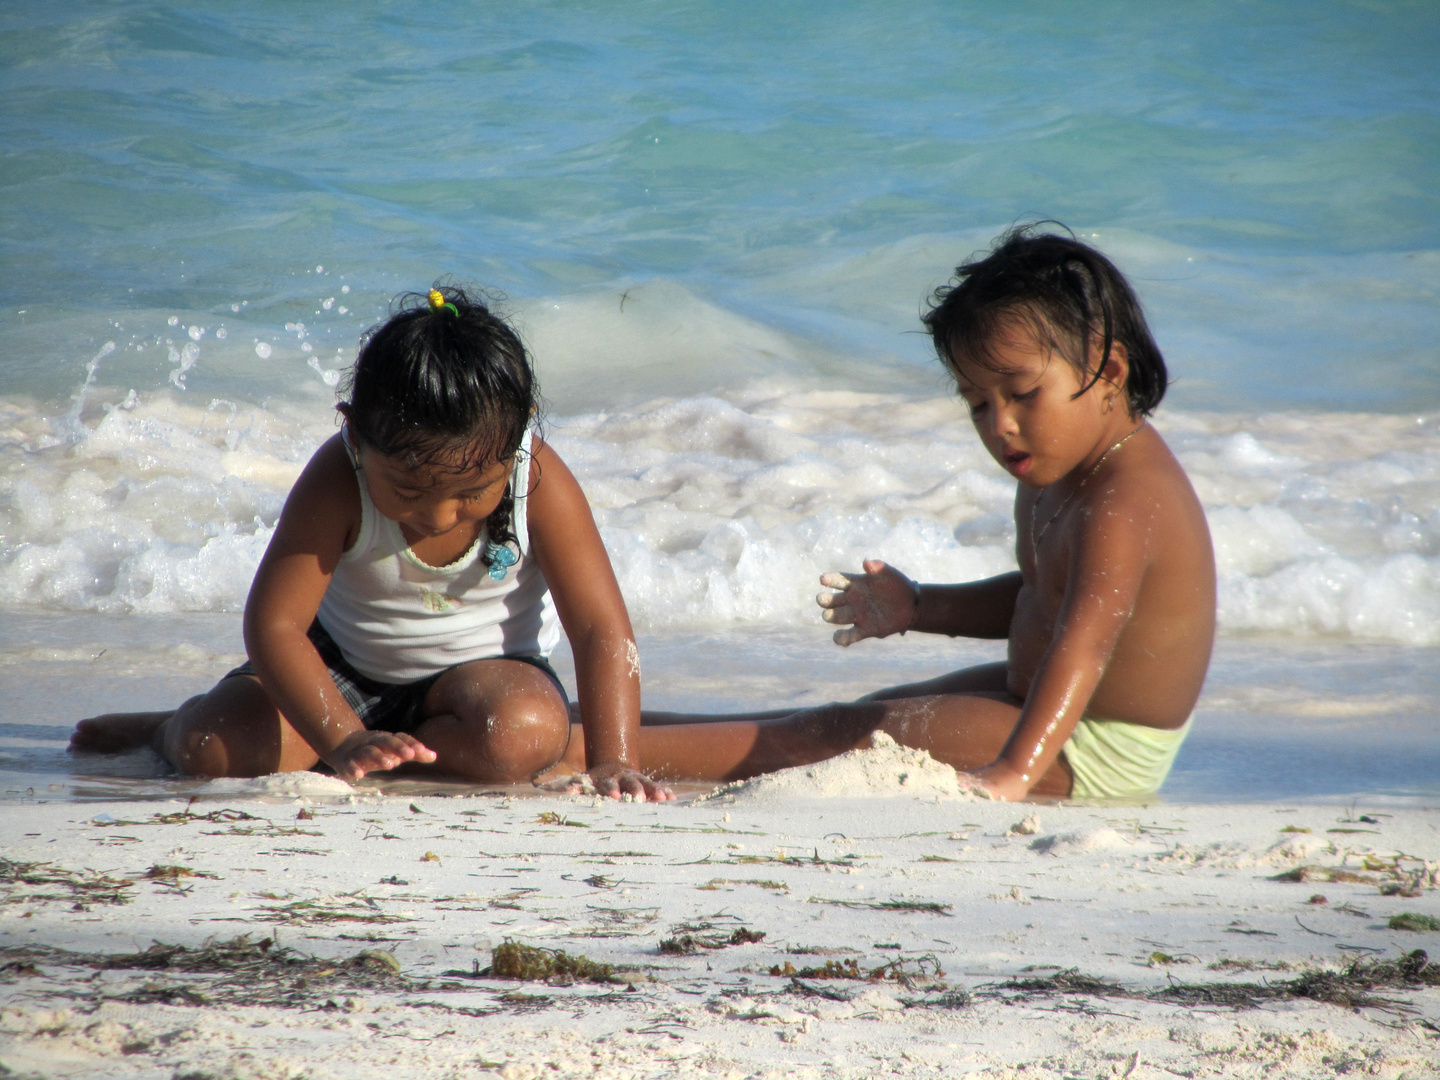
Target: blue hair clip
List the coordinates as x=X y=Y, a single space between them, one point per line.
x=500 y=557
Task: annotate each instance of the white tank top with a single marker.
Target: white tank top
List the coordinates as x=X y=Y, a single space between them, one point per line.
x=398 y=619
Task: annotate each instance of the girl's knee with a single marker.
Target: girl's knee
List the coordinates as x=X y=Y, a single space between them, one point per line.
x=196 y=749
x=524 y=735
x=530 y=735
x=228 y=732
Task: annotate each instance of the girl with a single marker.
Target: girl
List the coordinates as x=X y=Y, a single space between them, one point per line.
x=1111 y=614
x=406 y=605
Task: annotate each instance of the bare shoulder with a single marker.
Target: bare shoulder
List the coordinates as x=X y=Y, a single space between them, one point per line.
x=320 y=520
x=560 y=522
x=569 y=548
x=326 y=496
x=1148 y=478
x=553 y=486
x=1144 y=500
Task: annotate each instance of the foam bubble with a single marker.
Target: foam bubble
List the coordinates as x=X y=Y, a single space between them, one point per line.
x=157 y=506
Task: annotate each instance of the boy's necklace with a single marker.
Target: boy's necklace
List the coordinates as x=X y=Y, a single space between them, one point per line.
x=1036 y=537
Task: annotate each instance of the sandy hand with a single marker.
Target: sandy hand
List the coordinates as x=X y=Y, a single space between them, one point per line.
x=375 y=751
x=617 y=781
x=998 y=781
x=880 y=602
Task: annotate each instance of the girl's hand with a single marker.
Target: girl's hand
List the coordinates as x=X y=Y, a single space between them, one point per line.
x=366 y=751
x=878 y=603
x=617 y=781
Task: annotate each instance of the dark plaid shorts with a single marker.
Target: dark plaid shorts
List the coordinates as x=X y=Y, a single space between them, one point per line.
x=398 y=707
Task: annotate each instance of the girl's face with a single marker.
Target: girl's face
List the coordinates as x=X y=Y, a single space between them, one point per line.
x=1027 y=413
x=431 y=501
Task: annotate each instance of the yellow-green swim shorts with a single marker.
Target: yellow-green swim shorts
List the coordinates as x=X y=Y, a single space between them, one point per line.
x=1114 y=759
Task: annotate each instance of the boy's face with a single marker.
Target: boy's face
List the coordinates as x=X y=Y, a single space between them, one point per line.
x=1028 y=415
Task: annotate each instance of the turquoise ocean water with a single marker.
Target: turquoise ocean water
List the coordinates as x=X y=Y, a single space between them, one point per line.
x=715 y=225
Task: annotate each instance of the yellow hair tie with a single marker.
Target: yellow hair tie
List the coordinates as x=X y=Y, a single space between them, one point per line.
x=438 y=301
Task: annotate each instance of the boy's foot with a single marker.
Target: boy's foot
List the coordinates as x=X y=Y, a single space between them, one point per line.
x=117 y=732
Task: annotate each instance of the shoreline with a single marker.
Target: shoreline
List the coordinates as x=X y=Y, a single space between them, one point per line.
x=1300 y=720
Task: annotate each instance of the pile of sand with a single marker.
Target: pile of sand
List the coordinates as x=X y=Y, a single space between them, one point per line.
x=295 y=785
x=886 y=770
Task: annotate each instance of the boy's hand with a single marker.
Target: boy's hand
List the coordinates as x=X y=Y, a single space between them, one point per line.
x=880 y=602
x=998 y=781
x=617 y=781
x=366 y=751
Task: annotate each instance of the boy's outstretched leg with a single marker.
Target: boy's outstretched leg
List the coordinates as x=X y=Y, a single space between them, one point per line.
x=966 y=731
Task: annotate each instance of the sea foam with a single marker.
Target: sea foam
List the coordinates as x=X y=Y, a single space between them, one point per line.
x=724 y=508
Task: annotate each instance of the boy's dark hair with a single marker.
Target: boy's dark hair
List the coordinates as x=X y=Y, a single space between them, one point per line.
x=1065 y=292
x=449 y=386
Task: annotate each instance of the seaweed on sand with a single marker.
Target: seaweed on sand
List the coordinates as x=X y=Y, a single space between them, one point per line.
x=1351 y=987
x=214 y=816
x=1337 y=874
x=170 y=875
x=618 y=922
x=359 y=909
x=903 y=969
x=240 y=971
x=178 y=817
x=1408 y=920
x=689 y=938
x=39 y=883
x=715 y=884
x=1386 y=872
x=550 y=817
x=928 y=906
x=512 y=960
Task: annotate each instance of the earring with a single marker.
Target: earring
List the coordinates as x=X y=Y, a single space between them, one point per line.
x=1110 y=403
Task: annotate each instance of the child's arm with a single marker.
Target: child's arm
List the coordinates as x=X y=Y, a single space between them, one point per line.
x=883 y=601
x=312 y=533
x=607 y=664
x=1110 y=553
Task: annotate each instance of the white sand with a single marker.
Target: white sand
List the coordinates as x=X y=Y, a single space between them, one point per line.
x=1138 y=895
x=884 y=771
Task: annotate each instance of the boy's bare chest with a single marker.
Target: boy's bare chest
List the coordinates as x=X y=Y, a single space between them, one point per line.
x=1032 y=627
x=1038 y=606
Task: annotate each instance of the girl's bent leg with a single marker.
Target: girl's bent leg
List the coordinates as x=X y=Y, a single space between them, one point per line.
x=234 y=730
x=114 y=733
x=494 y=721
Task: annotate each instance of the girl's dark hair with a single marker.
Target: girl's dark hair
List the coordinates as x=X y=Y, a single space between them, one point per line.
x=452 y=389
x=1065 y=292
